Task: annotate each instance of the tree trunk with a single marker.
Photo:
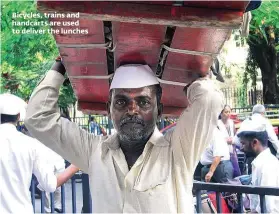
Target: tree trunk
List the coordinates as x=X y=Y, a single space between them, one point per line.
x=266 y=57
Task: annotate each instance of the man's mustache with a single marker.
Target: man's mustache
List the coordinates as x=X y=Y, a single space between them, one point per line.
x=132 y=119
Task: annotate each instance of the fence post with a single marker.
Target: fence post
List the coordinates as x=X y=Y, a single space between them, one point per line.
x=43 y=198
x=74 y=206
x=219 y=202
x=262 y=203
x=33 y=193
x=86 y=208
x=198 y=197
x=240 y=203
x=51 y=201
x=63 y=198
x=109 y=126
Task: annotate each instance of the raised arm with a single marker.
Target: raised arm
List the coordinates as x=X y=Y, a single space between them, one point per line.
x=44 y=122
x=194 y=129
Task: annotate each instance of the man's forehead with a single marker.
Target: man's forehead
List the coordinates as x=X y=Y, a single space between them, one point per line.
x=144 y=91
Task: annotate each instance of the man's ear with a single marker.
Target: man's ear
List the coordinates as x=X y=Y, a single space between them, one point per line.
x=255 y=142
x=108 y=109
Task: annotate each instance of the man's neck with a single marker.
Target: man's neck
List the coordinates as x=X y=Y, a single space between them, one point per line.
x=261 y=150
x=132 y=151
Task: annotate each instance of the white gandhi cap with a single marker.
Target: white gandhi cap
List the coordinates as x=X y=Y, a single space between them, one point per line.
x=252 y=124
x=12 y=105
x=133 y=76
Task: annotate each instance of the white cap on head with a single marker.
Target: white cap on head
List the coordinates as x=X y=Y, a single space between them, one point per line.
x=12 y=105
x=252 y=124
x=133 y=76
x=258 y=108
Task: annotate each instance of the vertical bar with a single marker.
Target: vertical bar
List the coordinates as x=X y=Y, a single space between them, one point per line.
x=43 y=198
x=33 y=193
x=262 y=204
x=219 y=202
x=74 y=200
x=109 y=126
x=198 y=197
x=86 y=194
x=63 y=198
x=90 y=202
x=240 y=203
x=51 y=202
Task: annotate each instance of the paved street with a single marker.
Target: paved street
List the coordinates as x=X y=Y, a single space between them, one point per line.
x=68 y=199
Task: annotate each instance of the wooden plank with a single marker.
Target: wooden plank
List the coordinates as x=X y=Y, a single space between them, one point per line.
x=137 y=43
x=95 y=32
x=185 y=68
x=91 y=90
x=148 y=13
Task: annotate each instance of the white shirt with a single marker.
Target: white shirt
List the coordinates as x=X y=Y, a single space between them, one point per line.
x=20 y=157
x=265 y=172
x=161 y=180
x=53 y=159
x=227 y=132
x=217 y=148
x=270 y=131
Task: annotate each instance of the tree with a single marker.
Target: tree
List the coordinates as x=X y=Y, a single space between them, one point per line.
x=263 y=42
x=26 y=57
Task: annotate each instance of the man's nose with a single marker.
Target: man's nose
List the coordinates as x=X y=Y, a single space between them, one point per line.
x=133 y=108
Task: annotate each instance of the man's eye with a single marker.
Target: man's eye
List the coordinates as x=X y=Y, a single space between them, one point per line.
x=144 y=102
x=120 y=102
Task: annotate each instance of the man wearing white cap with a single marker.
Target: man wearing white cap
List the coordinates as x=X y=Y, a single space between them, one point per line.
x=136 y=169
x=21 y=156
x=258 y=115
x=265 y=167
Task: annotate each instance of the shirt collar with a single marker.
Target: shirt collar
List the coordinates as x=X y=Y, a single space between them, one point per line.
x=157 y=139
x=261 y=157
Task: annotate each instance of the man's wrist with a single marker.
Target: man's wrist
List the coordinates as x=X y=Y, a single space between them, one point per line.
x=59 y=67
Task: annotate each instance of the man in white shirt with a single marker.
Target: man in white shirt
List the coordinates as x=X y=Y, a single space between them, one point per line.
x=137 y=169
x=217 y=166
x=57 y=164
x=21 y=156
x=259 y=115
x=265 y=167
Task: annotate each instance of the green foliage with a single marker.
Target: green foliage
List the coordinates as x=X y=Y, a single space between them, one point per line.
x=263 y=41
x=251 y=71
x=26 y=57
x=242 y=97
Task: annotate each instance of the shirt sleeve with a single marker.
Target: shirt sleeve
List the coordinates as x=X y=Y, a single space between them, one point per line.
x=61 y=135
x=268 y=179
x=195 y=127
x=43 y=171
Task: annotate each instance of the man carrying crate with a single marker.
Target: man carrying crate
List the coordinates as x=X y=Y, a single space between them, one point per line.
x=137 y=169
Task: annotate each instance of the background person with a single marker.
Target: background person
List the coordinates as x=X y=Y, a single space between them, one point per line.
x=226 y=126
x=217 y=166
x=258 y=115
x=21 y=156
x=265 y=167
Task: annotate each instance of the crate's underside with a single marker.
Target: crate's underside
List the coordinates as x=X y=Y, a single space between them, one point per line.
x=136 y=32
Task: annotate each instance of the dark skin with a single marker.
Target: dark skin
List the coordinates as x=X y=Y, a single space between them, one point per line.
x=134 y=113
x=251 y=148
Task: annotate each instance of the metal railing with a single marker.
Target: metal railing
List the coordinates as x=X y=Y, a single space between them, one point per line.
x=86 y=196
x=220 y=188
